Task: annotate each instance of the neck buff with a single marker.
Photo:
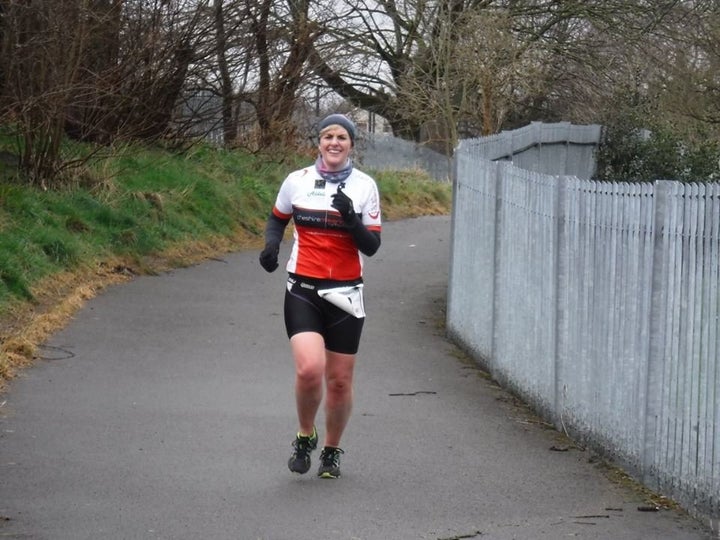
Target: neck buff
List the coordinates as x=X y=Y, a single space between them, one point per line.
x=333 y=176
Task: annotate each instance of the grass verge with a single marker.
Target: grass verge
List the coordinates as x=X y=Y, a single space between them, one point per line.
x=144 y=210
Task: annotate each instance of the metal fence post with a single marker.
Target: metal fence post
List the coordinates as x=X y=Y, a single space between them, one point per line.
x=561 y=266
x=497 y=242
x=656 y=336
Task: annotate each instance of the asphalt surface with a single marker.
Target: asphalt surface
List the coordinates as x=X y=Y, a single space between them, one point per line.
x=165 y=410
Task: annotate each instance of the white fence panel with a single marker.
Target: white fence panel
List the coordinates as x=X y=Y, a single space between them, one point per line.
x=606 y=264
x=525 y=285
x=472 y=279
x=683 y=422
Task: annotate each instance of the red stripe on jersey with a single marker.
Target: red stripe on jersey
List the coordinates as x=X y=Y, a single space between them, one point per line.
x=279 y=214
x=327 y=254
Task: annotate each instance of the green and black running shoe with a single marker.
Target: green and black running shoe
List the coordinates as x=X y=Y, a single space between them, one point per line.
x=299 y=462
x=330 y=462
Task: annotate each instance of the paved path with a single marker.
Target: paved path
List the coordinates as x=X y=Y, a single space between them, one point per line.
x=165 y=411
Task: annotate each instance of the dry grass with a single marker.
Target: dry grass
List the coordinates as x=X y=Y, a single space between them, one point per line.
x=58 y=298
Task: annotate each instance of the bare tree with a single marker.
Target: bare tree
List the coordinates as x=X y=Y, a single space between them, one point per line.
x=476 y=72
x=159 y=43
x=686 y=56
x=94 y=70
x=41 y=51
x=437 y=70
x=261 y=49
x=283 y=36
x=378 y=51
x=227 y=94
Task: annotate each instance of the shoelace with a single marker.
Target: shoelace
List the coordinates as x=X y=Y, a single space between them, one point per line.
x=332 y=457
x=302 y=444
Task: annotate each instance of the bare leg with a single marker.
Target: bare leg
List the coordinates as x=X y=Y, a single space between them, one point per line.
x=308 y=349
x=338 y=404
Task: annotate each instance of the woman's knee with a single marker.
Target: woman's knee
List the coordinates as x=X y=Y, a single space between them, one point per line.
x=309 y=355
x=339 y=374
x=340 y=384
x=309 y=375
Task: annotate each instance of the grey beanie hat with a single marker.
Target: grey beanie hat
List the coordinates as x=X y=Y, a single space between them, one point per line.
x=340 y=120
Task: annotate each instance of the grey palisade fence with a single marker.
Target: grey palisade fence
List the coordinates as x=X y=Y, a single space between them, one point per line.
x=597 y=302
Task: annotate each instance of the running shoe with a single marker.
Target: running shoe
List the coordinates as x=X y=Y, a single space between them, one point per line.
x=299 y=462
x=330 y=462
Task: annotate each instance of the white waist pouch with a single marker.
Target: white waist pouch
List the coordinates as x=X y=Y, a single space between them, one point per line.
x=349 y=299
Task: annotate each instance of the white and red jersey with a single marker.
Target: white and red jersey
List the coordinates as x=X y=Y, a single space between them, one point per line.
x=323 y=248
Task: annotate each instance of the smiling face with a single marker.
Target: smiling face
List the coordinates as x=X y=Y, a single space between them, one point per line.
x=335 y=145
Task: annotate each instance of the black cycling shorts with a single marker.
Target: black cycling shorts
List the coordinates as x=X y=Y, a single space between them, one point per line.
x=305 y=311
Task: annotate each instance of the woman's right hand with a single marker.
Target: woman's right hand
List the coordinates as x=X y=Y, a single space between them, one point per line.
x=269 y=257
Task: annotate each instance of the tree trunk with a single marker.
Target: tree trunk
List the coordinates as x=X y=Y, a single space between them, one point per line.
x=229 y=124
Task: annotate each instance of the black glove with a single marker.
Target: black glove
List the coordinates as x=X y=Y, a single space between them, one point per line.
x=269 y=257
x=343 y=204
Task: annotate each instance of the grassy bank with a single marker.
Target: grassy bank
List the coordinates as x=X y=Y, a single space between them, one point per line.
x=143 y=211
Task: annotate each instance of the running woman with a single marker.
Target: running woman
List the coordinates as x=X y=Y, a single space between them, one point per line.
x=335 y=210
